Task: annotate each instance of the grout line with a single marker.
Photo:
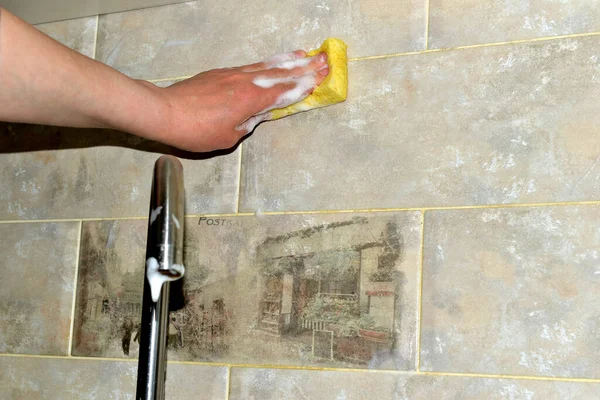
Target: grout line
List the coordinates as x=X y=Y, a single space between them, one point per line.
x=41 y=221
x=228 y=383
x=420 y=294
x=427 y=14
x=516 y=377
x=243 y=214
x=75 y=280
x=96 y=37
x=325 y=369
x=428 y=50
x=309 y=212
x=239 y=185
x=70 y=358
x=475 y=46
x=440 y=208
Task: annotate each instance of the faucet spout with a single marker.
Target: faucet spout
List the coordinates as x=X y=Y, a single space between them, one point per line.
x=164 y=263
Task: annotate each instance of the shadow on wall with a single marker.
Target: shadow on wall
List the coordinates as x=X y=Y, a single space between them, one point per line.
x=19 y=138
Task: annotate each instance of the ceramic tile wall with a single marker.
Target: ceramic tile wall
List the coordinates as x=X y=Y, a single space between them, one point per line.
x=435 y=235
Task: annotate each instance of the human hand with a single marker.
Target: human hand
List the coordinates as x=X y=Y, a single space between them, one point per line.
x=215 y=109
x=54 y=85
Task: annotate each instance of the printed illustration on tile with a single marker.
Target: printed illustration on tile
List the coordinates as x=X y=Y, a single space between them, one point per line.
x=333 y=290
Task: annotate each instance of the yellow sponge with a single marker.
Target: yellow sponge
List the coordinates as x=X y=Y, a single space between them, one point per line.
x=333 y=89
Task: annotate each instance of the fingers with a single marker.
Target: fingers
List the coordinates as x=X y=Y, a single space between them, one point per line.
x=290 y=78
x=273 y=60
x=251 y=123
x=272 y=95
x=280 y=94
x=284 y=57
x=297 y=67
x=304 y=87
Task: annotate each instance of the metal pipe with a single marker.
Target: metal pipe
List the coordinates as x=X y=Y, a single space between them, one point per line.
x=164 y=254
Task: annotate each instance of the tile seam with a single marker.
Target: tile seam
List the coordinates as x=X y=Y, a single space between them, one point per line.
x=75 y=281
x=420 y=294
x=239 y=182
x=228 y=383
x=427 y=13
x=428 y=50
x=475 y=46
x=325 y=369
x=96 y=37
x=309 y=212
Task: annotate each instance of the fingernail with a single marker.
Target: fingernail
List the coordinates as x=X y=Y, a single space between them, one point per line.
x=324 y=71
x=323 y=57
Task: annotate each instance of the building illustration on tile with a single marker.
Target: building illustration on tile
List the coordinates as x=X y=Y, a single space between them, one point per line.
x=339 y=300
x=109 y=297
x=276 y=290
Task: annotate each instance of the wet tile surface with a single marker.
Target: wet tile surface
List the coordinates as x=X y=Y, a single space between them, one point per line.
x=480 y=126
x=185 y=39
x=78 y=34
x=38 y=274
x=336 y=290
x=50 y=172
x=458 y=23
x=264 y=384
x=37 y=378
x=512 y=291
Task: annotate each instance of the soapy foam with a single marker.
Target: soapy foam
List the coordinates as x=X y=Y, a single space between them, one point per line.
x=280 y=58
x=291 y=64
x=249 y=125
x=300 y=91
x=303 y=85
x=155 y=213
x=157 y=278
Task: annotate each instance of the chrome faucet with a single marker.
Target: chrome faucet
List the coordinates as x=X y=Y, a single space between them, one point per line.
x=164 y=254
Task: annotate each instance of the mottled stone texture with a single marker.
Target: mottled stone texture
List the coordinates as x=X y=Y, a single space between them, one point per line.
x=187 y=38
x=512 y=291
x=269 y=384
x=489 y=125
x=78 y=34
x=463 y=22
x=337 y=290
x=59 y=379
x=38 y=272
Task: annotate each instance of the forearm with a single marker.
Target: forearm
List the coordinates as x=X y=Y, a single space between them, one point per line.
x=42 y=81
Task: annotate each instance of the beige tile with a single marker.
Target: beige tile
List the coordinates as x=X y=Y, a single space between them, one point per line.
x=512 y=291
x=50 y=172
x=38 y=273
x=78 y=34
x=185 y=39
x=337 y=290
x=39 y=378
x=489 y=125
x=265 y=384
x=463 y=22
x=166 y=83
